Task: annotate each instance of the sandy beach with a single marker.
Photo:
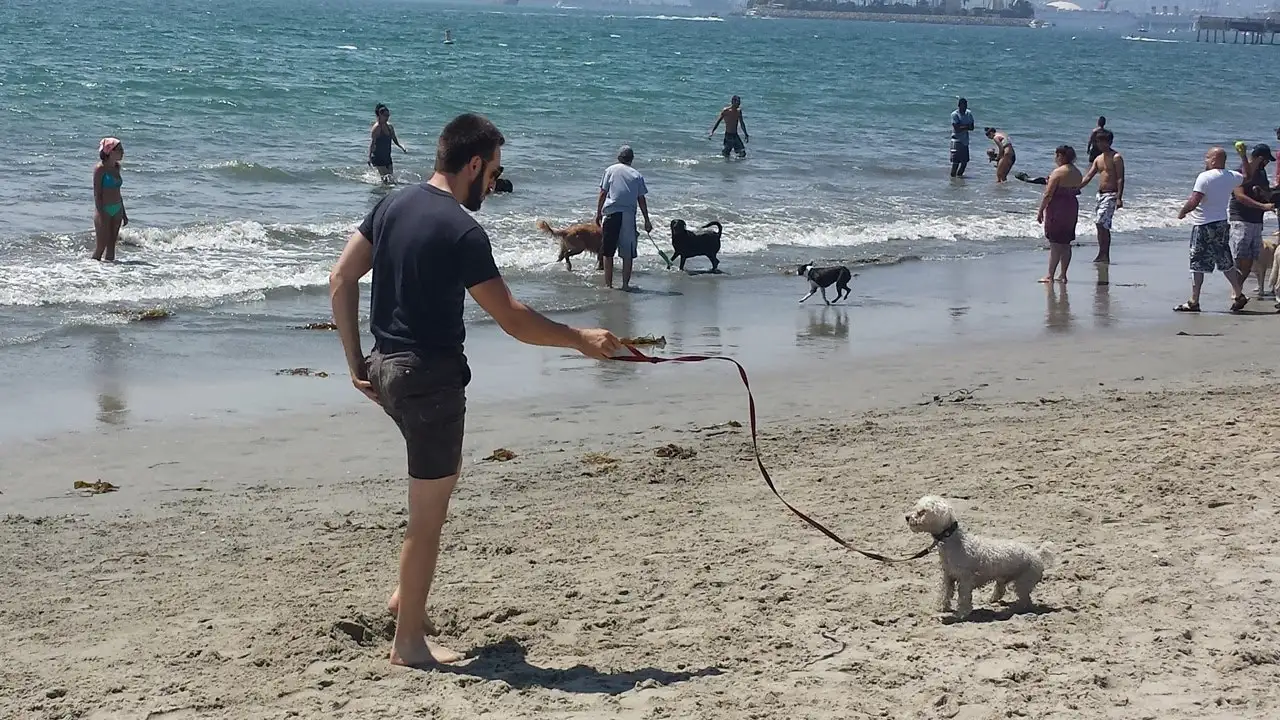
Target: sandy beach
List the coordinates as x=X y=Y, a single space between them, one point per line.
x=242 y=568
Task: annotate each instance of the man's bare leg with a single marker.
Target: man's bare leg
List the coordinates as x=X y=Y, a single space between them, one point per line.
x=428 y=508
x=1104 y=245
x=1197 y=281
x=626 y=273
x=608 y=272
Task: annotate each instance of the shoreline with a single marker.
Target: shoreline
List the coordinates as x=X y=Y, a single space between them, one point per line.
x=593 y=579
x=144 y=374
x=892 y=18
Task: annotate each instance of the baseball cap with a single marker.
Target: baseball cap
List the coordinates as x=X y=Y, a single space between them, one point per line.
x=1263 y=150
x=626 y=153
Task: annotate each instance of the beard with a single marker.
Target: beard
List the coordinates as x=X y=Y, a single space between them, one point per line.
x=477 y=190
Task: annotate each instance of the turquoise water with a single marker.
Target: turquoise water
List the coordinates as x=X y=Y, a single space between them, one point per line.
x=245 y=126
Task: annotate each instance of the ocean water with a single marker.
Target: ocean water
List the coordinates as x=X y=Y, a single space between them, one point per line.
x=246 y=123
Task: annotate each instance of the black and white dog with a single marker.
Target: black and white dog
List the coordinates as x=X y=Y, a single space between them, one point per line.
x=700 y=243
x=821 y=278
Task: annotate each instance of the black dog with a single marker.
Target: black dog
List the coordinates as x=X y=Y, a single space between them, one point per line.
x=501 y=184
x=703 y=243
x=823 y=278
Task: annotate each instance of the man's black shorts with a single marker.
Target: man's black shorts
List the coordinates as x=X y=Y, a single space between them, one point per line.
x=610 y=230
x=426 y=397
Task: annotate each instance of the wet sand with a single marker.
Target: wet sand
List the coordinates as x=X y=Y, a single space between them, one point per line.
x=141 y=374
x=241 y=570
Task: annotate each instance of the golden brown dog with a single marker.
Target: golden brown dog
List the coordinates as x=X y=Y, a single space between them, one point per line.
x=575 y=239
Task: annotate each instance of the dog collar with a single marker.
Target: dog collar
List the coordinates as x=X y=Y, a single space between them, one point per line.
x=951 y=530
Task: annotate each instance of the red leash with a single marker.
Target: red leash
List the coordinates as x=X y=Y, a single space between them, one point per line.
x=639 y=357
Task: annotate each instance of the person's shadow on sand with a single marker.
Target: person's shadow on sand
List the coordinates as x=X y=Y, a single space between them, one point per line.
x=505 y=660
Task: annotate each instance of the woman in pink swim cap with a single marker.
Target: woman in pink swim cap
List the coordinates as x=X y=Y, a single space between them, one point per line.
x=109 y=215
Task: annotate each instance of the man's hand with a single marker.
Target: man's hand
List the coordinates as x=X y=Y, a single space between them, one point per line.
x=598 y=344
x=360 y=379
x=1182 y=214
x=648 y=226
x=599 y=217
x=1119 y=203
x=745 y=137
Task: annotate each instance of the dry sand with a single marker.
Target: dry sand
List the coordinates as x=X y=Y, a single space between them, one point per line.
x=241 y=571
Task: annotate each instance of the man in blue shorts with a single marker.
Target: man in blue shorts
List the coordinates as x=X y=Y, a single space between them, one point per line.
x=424 y=251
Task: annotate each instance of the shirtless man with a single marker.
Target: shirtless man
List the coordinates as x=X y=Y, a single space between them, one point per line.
x=1109 y=166
x=731 y=117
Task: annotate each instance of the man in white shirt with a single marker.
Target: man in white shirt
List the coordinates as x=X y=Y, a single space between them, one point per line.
x=1211 y=233
x=622 y=190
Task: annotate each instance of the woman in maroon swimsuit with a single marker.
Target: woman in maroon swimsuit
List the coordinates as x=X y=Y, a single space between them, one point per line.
x=1059 y=210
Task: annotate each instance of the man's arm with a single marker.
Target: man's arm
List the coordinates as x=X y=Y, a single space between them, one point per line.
x=1243 y=198
x=344 y=296
x=644 y=210
x=1119 y=165
x=531 y=327
x=600 y=206
x=742 y=120
x=1088 y=177
x=719 y=119
x=1192 y=203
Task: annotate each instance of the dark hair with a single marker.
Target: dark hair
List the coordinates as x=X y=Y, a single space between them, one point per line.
x=1102 y=121
x=466 y=136
x=379 y=108
x=1067 y=152
x=989 y=131
x=1107 y=135
x=962 y=101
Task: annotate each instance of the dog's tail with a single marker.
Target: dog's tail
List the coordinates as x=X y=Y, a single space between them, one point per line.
x=545 y=227
x=1047 y=555
x=718 y=226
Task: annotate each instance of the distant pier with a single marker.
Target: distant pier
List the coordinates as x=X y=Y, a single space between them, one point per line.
x=1252 y=31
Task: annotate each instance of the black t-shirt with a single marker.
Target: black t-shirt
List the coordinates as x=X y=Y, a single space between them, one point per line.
x=1255 y=187
x=426 y=252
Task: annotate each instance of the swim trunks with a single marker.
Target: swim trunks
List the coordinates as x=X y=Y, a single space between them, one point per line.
x=1105 y=209
x=620 y=235
x=1246 y=240
x=426 y=397
x=733 y=143
x=1211 y=248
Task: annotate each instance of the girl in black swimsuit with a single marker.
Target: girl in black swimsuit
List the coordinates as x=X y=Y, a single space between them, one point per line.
x=381 y=137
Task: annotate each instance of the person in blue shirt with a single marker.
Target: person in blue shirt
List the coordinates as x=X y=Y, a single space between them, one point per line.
x=961 y=124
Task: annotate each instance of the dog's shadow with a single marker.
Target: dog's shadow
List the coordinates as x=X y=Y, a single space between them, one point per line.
x=1008 y=612
x=506 y=660
x=693 y=273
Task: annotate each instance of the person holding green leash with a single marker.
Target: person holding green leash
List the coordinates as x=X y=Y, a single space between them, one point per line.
x=622 y=191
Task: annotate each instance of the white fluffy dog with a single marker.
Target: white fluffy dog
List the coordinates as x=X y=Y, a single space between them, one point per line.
x=969 y=561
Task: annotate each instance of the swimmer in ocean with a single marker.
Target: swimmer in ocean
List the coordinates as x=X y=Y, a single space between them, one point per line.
x=732 y=117
x=381 y=138
x=109 y=215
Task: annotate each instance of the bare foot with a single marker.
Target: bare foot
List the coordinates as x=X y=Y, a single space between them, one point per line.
x=393 y=607
x=423 y=655
x=1063 y=279
x=1046 y=279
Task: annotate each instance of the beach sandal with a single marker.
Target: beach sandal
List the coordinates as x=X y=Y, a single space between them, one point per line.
x=1188 y=306
x=1238 y=304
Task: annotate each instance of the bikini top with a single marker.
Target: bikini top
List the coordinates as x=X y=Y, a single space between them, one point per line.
x=111 y=182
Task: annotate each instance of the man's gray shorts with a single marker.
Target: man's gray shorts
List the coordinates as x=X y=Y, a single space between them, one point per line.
x=1246 y=240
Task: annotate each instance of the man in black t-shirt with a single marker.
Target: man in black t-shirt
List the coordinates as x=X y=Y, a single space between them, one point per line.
x=1248 y=209
x=424 y=251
